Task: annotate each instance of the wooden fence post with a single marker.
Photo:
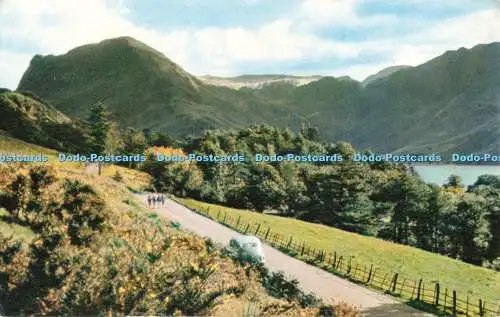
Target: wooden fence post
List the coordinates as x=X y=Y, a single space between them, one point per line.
x=238 y=221
x=225 y=216
x=258 y=228
x=356 y=269
x=338 y=264
x=349 y=265
x=248 y=227
x=481 y=308
x=418 y=291
x=267 y=233
x=370 y=274
x=303 y=248
x=218 y=214
x=445 y=298
x=436 y=295
x=467 y=307
x=334 y=258
x=395 y=282
x=289 y=242
x=454 y=302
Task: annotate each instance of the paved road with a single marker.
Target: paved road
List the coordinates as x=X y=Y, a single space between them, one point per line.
x=312 y=279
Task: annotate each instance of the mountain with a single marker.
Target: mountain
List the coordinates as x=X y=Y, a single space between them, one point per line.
x=29 y=118
x=450 y=103
x=257 y=81
x=141 y=88
x=384 y=73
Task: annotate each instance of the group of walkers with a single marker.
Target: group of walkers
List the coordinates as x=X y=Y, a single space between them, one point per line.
x=157 y=200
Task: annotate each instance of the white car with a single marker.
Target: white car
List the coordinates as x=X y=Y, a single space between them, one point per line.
x=248 y=248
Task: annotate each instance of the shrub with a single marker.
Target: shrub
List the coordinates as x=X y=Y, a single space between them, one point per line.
x=118 y=177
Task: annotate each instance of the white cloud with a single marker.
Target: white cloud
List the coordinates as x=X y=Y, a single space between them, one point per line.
x=12 y=66
x=56 y=26
x=450 y=34
x=329 y=11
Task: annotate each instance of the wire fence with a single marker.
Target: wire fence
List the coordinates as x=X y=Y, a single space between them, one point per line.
x=433 y=294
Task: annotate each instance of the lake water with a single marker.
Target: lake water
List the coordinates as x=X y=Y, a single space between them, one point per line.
x=439 y=174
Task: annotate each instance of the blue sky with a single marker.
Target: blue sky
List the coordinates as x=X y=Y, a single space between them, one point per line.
x=234 y=37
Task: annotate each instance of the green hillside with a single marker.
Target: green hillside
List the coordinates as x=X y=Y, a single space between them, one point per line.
x=26 y=117
x=141 y=87
x=384 y=73
x=451 y=103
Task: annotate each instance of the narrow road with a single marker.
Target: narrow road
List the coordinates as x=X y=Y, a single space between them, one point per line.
x=312 y=279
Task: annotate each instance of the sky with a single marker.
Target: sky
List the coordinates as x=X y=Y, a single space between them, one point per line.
x=233 y=37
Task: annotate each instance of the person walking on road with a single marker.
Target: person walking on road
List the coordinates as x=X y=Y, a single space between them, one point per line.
x=149 y=201
x=162 y=199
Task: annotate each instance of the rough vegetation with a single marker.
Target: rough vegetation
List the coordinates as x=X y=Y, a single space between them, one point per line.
x=96 y=252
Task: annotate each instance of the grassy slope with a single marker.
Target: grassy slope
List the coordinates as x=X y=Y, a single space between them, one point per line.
x=13 y=145
x=408 y=261
x=132 y=179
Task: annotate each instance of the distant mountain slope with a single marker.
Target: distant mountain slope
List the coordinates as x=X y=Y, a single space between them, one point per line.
x=257 y=81
x=450 y=103
x=30 y=119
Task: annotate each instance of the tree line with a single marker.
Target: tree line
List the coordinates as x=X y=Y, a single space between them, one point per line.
x=381 y=199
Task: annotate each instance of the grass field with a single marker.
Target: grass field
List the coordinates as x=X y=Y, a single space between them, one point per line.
x=12 y=145
x=411 y=263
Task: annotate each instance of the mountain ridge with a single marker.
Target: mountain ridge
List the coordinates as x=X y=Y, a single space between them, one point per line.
x=423 y=108
x=257 y=81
